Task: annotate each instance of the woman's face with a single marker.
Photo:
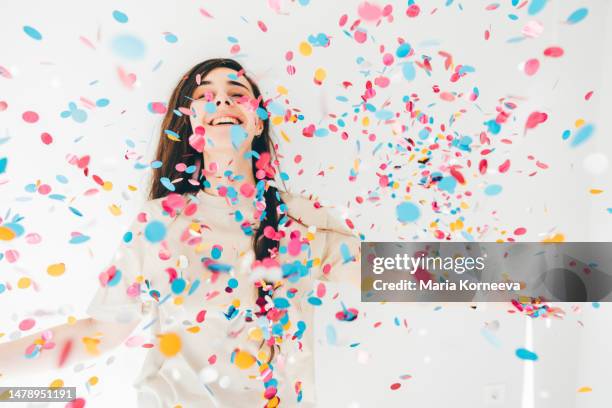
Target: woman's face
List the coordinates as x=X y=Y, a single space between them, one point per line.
x=225 y=106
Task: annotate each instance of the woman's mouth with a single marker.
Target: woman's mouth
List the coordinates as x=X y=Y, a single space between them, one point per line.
x=224 y=121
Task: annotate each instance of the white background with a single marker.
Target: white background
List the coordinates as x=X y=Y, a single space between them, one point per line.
x=450 y=361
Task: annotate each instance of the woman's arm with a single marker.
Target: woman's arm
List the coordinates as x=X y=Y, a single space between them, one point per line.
x=85 y=339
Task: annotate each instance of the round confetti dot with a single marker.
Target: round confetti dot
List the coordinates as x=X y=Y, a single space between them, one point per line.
x=169 y=344
x=395 y=386
x=407 y=212
x=120 y=17
x=171 y=38
x=525 y=354
x=26 y=324
x=3 y=106
x=244 y=360
x=532 y=66
x=178 y=286
x=128 y=46
x=6 y=234
x=320 y=75
x=32 y=33
x=577 y=16
x=305 y=49
x=493 y=190
x=56 y=269
x=46 y=138
x=57 y=383
x=30 y=117
x=520 y=231
x=24 y=283
x=581 y=135
x=155 y=231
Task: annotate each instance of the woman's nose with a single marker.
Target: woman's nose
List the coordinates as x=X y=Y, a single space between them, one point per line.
x=221 y=100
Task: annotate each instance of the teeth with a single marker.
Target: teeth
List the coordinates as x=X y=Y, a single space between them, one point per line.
x=225 y=119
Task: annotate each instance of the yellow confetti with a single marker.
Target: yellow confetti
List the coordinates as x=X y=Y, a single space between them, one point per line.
x=56 y=269
x=555 y=238
x=585 y=389
x=169 y=344
x=579 y=122
x=93 y=380
x=194 y=329
x=72 y=320
x=595 y=191
x=132 y=188
x=320 y=75
x=284 y=135
x=107 y=186
x=57 y=383
x=178 y=300
x=255 y=334
x=244 y=359
x=24 y=283
x=115 y=210
x=6 y=234
x=305 y=49
x=91 y=345
x=277 y=120
x=282 y=90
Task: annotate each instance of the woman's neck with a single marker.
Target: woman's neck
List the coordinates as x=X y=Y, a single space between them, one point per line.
x=239 y=171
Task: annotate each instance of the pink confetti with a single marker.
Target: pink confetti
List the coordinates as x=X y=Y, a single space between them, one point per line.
x=520 y=231
x=5 y=72
x=30 y=117
x=504 y=166
x=262 y=26
x=554 y=52
x=205 y=13
x=26 y=324
x=534 y=119
x=126 y=79
x=3 y=106
x=532 y=66
x=46 y=138
x=369 y=12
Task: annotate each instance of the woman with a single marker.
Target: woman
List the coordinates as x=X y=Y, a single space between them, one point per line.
x=224 y=262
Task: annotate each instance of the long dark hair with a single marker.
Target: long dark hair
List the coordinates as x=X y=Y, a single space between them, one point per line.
x=170 y=152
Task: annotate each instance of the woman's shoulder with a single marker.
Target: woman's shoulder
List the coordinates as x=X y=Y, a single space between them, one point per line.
x=308 y=210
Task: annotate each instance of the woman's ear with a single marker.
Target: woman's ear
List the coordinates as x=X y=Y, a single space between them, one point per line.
x=260 y=126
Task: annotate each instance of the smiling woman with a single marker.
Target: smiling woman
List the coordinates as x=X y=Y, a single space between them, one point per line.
x=224 y=263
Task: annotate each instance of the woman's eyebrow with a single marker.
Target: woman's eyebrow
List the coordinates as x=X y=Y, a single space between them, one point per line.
x=229 y=82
